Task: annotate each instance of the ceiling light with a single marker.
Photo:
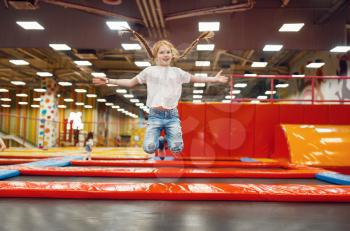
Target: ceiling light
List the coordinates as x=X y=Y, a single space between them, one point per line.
x=208 y=26
x=40 y=90
x=65 y=84
x=128 y=95
x=197 y=101
x=68 y=100
x=262 y=97
x=197 y=96
x=78 y=90
x=142 y=63
x=117 y=25
x=79 y=103
x=61 y=106
x=282 y=85
x=83 y=63
x=60 y=47
x=30 y=25
x=37 y=99
x=340 y=49
x=101 y=100
x=134 y=100
x=121 y=91
x=18 y=83
x=259 y=64
x=270 y=92
x=91 y=95
x=230 y=97
x=240 y=85
x=19 y=62
x=35 y=106
x=235 y=92
x=139 y=104
x=291 y=27
x=199 y=84
x=98 y=74
x=3 y=90
x=44 y=74
x=22 y=103
x=205 y=47
x=131 y=46
x=87 y=106
x=115 y=106
x=250 y=75
x=315 y=65
x=5 y=99
x=109 y=104
x=5 y=105
x=198 y=91
x=272 y=47
x=202 y=63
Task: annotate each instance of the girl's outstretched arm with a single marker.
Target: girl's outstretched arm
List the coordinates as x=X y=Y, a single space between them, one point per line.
x=218 y=78
x=98 y=81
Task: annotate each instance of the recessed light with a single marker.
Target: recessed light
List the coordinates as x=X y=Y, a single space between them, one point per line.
x=259 y=64
x=208 y=26
x=98 y=74
x=291 y=27
x=340 y=49
x=30 y=25
x=142 y=63
x=44 y=74
x=202 y=63
x=19 y=62
x=205 y=47
x=40 y=90
x=91 y=95
x=240 y=85
x=131 y=46
x=65 y=84
x=60 y=47
x=270 y=47
x=83 y=63
x=101 y=100
x=18 y=83
x=117 y=25
x=315 y=65
x=3 y=90
x=199 y=84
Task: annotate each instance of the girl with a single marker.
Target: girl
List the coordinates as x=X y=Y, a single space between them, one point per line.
x=164 y=86
x=89 y=141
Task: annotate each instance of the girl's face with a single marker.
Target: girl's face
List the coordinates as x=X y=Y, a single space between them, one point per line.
x=164 y=56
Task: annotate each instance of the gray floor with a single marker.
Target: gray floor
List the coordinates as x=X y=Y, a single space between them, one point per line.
x=91 y=215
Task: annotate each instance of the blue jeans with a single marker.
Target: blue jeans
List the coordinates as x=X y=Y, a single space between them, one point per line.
x=170 y=122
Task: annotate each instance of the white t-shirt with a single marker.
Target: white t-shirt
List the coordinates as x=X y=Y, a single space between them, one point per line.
x=164 y=85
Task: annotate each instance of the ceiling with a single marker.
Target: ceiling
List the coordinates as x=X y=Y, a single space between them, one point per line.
x=245 y=27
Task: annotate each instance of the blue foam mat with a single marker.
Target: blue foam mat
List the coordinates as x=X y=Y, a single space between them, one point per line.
x=53 y=162
x=247 y=159
x=4 y=174
x=333 y=177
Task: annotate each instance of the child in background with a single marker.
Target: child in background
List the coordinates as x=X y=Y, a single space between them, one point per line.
x=89 y=141
x=164 y=87
x=2 y=145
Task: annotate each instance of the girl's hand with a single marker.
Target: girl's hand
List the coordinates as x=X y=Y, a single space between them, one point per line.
x=220 y=78
x=99 y=81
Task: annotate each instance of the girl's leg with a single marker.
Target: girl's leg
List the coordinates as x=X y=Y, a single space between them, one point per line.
x=174 y=135
x=151 y=140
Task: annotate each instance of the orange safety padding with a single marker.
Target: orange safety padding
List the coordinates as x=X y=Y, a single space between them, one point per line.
x=192 y=164
x=168 y=172
x=16 y=161
x=316 y=114
x=193 y=123
x=176 y=191
x=266 y=119
x=319 y=145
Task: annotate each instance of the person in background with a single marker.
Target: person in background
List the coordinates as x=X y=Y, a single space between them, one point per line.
x=89 y=142
x=2 y=145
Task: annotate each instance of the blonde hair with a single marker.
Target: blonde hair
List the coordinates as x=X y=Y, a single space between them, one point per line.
x=152 y=53
x=160 y=43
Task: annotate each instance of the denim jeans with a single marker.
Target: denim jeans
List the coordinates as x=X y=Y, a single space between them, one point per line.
x=170 y=122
